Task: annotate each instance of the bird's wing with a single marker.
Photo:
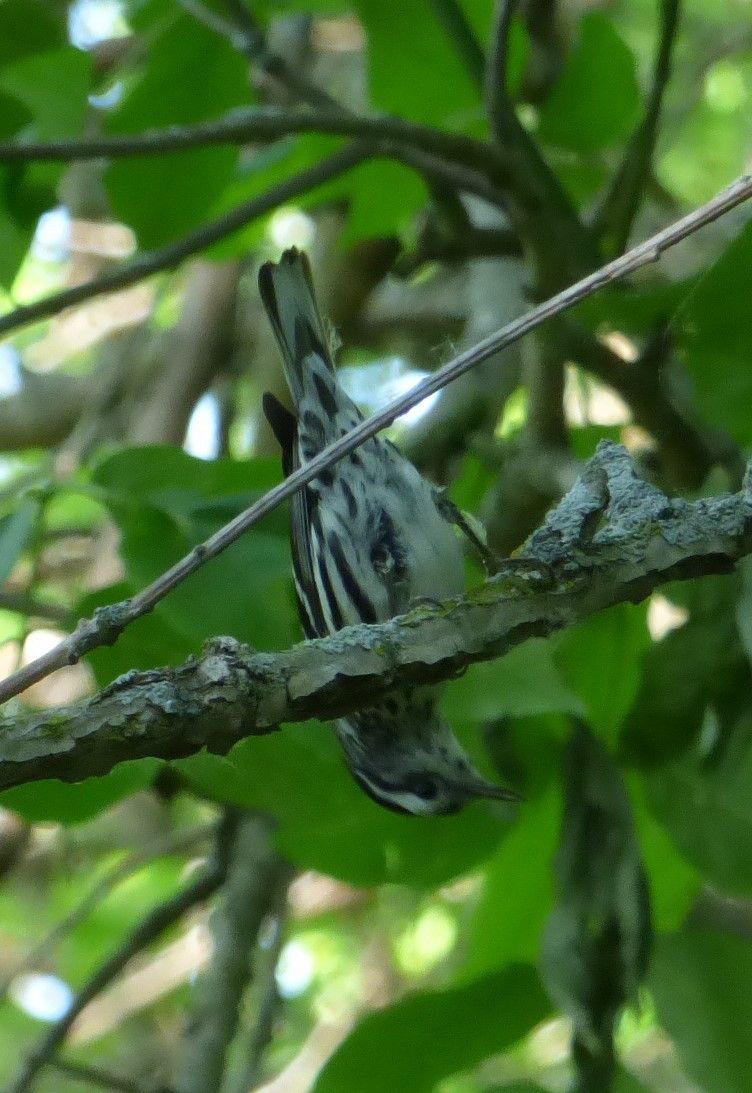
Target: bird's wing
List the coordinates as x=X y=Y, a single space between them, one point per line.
x=302 y=505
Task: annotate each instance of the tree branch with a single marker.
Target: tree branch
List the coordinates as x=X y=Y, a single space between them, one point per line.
x=560 y=246
x=252 y=40
x=500 y=109
x=263 y=124
x=458 y=28
x=109 y=622
x=619 y=209
x=43 y=411
x=163 y=258
x=230 y=692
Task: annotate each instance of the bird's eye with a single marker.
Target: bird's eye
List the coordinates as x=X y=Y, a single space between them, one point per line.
x=423 y=786
x=381 y=560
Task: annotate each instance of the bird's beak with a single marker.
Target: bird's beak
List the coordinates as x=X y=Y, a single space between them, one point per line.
x=481 y=787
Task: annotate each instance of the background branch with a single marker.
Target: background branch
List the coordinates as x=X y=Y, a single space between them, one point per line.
x=458 y=28
x=43 y=410
x=252 y=878
x=689 y=449
x=621 y=203
x=261 y=125
x=499 y=105
x=251 y=1070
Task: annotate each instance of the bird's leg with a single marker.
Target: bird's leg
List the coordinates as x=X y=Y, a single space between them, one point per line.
x=471 y=528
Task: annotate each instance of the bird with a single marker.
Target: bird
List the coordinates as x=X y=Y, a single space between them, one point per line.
x=369 y=537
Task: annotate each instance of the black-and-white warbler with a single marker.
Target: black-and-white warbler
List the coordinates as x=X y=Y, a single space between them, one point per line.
x=368 y=537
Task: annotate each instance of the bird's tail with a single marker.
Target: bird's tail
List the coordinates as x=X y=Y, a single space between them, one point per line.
x=288 y=295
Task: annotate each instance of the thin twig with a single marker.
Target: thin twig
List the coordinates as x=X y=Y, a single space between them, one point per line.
x=245 y=22
x=108 y=623
x=458 y=28
x=620 y=205
x=499 y=106
x=450 y=246
x=151 y=926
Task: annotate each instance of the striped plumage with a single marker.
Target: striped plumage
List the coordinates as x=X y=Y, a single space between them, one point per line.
x=368 y=538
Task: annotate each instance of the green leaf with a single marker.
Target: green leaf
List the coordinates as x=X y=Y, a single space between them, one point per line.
x=713 y=331
x=700 y=981
x=518 y=891
x=47 y=93
x=324 y=822
x=693 y=176
x=14 y=243
x=166 y=503
x=267 y=167
x=635 y=308
x=413 y=68
x=22 y=35
x=13 y=115
x=524 y=683
x=704 y=802
x=516 y=1087
x=68 y=508
x=192 y=75
x=150 y=642
x=596 y=101
x=169 y=478
x=15 y=532
x=701 y=665
x=427 y=1037
x=54 y=87
x=601 y=661
x=624 y=1082
x=384 y=196
x=53 y=801
x=674 y=883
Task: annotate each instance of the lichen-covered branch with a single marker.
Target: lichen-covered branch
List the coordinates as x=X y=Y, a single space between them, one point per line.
x=108 y=623
x=613 y=538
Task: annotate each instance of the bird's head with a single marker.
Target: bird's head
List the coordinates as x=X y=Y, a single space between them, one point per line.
x=413 y=766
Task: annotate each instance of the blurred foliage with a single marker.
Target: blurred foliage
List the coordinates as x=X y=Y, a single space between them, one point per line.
x=456 y=921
